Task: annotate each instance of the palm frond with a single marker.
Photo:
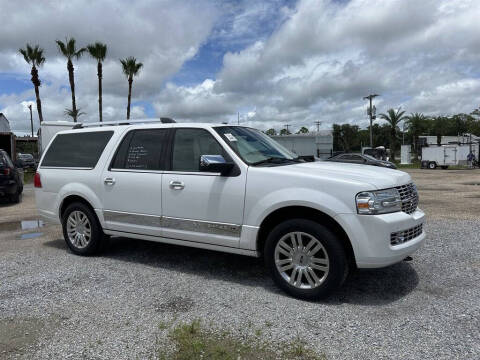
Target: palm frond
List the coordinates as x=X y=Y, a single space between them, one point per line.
x=97 y=51
x=130 y=66
x=74 y=114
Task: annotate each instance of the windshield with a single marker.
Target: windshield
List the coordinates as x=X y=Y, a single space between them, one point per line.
x=369 y=157
x=253 y=146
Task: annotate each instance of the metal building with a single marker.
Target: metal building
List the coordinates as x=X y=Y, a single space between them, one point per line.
x=317 y=144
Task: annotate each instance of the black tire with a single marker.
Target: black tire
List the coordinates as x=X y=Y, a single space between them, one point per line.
x=338 y=265
x=15 y=198
x=444 y=167
x=97 y=236
x=432 y=165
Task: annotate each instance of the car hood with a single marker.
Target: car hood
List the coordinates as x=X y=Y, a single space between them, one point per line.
x=375 y=176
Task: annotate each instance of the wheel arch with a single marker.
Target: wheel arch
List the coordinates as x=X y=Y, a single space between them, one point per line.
x=304 y=212
x=70 y=199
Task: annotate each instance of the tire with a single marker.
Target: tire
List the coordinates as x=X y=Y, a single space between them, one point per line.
x=81 y=229
x=15 y=198
x=329 y=255
x=445 y=167
x=432 y=165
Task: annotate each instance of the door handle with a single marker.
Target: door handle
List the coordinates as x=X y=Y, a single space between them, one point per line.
x=109 y=181
x=177 y=185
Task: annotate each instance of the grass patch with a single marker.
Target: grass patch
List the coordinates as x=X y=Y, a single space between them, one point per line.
x=193 y=341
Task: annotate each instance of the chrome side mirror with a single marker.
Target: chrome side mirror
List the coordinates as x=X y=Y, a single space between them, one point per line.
x=216 y=164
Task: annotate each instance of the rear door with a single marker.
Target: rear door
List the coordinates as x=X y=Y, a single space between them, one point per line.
x=201 y=206
x=132 y=183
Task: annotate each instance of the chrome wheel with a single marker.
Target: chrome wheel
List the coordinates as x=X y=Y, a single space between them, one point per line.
x=301 y=260
x=79 y=229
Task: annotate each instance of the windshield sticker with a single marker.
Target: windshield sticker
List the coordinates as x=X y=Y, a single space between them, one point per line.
x=230 y=137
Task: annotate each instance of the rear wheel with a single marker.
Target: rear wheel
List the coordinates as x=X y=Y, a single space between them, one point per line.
x=81 y=229
x=432 y=165
x=305 y=259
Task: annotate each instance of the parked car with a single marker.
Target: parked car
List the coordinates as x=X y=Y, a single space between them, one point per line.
x=11 y=185
x=361 y=159
x=231 y=189
x=27 y=160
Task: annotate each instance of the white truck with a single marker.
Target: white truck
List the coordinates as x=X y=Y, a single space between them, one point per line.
x=48 y=129
x=232 y=189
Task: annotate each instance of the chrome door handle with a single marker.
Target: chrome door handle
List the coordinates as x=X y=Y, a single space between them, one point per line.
x=177 y=185
x=109 y=181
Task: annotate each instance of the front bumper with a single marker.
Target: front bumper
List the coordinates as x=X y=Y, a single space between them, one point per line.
x=370 y=237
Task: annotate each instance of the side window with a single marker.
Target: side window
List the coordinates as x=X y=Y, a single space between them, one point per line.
x=141 y=150
x=77 y=150
x=189 y=145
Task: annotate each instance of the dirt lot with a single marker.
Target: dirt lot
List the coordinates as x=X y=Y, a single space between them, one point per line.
x=125 y=303
x=448 y=194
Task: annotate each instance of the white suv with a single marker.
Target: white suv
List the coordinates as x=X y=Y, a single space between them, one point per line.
x=228 y=188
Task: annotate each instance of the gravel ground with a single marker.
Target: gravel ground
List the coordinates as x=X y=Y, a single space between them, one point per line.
x=56 y=305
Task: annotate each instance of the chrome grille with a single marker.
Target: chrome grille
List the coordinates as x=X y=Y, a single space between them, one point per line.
x=401 y=237
x=409 y=197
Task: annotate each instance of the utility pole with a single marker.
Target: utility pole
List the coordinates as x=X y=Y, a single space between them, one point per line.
x=371 y=113
x=238 y=117
x=31 y=118
x=318 y=125
x=286 y=127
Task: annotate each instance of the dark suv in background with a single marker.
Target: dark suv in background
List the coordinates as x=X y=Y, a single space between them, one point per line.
x=11 y=185
x=27 y=161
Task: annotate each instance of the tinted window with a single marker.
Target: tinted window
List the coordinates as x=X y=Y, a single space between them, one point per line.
x=77 y=150
x=141 y=150
x=189 y=145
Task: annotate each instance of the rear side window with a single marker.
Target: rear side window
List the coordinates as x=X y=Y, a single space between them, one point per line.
x=81 y=150
x=141 y=150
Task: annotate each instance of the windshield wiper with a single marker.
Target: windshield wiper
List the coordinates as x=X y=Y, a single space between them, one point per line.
x=274 y=160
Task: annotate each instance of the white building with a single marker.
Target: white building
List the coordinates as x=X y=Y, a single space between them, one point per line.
x=318 y=144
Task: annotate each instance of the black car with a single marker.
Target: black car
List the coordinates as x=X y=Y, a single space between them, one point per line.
x=27 y=160
x=361 y=159
x=11 y=185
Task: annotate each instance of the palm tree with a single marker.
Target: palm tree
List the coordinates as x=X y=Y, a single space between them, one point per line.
x=98 y=51
x=74 y=114
x=130 y=69
x=393 y=117
x=69 y=50
x=34 y=56
x=416 y=125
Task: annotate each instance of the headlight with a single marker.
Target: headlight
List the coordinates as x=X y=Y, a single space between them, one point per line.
x=378 y=202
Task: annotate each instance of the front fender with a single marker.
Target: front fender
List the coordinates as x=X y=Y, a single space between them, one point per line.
x=259 y=208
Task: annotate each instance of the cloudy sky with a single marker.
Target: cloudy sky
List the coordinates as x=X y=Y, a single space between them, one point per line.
x=275 y=61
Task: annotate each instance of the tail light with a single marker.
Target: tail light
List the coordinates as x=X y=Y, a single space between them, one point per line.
x=37 y=182
x=6 y=171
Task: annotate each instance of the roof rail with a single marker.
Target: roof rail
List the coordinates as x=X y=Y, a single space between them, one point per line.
x=116 y=122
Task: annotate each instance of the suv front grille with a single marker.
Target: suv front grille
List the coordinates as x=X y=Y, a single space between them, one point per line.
x=409 y=197
x=401 y=237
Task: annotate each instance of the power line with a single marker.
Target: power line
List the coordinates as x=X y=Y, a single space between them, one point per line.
x=318 y=125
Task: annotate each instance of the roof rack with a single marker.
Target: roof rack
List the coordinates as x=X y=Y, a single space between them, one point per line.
x=123 y=122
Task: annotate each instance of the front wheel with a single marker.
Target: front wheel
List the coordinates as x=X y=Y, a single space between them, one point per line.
x=81 y=229
x=432 y=165
x=305 y=259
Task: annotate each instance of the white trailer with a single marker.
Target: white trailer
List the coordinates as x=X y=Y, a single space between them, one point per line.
x=447 y=155
x=48 y=129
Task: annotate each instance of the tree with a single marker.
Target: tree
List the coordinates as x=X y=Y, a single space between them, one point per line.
x=98 y=51
x=345 y=137
x=34 y=56
x=303 y=130
x=74 y=114
x=285 y=132
x=393 y=117
x=271 y=132
x=69 y=50
x=130 y=68
x=416 y=125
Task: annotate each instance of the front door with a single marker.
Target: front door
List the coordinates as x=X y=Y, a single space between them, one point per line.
x=132 y=184
x=201 y=206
